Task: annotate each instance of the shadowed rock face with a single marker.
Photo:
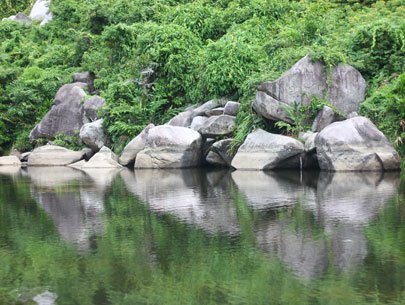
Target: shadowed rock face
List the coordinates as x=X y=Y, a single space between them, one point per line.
x=199 y=198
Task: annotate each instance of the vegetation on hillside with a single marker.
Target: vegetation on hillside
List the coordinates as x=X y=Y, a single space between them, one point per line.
x=197 y=50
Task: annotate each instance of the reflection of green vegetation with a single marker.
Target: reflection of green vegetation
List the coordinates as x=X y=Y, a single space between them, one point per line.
x=144 y=258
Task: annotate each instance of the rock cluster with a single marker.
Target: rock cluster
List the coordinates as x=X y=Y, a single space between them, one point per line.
x=40 y=13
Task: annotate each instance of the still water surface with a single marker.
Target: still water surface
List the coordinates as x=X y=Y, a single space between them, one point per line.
x=200 y=237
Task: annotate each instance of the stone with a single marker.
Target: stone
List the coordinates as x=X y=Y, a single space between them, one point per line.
x=355 y=145
x=52 y=155
x=199 y=111
x=309 y=140
x=218 y=125
x=347 y=89
x=352 y=115
x=198 y=122
x=91 y=106
x=66 y=115
x=324 y=118
x=40 y=11
x=263 y=150
x=170 y=147
x=136 y=145
x=231 y=108
x=215 y=111
x=24 y=156
x=183 y=119
x=20 y=18
x=85 y=77
x=10 y=161
x=92 y=134
x=105 y=158
x=222 y=148
x=215 y=159
x=270 y=108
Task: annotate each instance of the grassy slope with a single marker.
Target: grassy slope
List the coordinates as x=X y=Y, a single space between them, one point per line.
x=199 y=50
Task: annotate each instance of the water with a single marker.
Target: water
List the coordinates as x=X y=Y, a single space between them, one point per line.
x=200 y=237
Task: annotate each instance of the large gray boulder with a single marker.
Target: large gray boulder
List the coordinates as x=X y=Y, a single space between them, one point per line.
x=10 y=161
x=66 y=115
x=170 y=147
x=217 y=125
x=263 y=150
x=355 y=145
x=52 y=155
x=307 y=79
x=134 y=147
x=347 y=89
x=40 y=11
x=91 y=106
x=92 y=134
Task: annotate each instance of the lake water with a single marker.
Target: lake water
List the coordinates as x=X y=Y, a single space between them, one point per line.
x=200 y=237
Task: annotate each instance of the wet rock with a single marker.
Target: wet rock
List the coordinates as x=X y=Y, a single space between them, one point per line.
x=134 y=147
x=217 y=126
x=355 y=145
x=347 y=89
x=92 y=134
x=91 y=106
x=170 y=147
x=263 y=150
x=183 y=119
x=324 y=118
x=52 y=155
x=66 y=115
x=10 y=161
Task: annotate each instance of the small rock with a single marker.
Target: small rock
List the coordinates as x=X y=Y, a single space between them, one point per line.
x=217 y=126
x=105 y=158
x=215 y=111
x=222 y=148
x=309 y=140
x=24 y=156
x=324 y=118
x=183 y=119
x=232 y=108
x=10 y=161
x=85 y=77
x=198 y=122
x=214 y=159
x=208 y=106
x=92 y=134
x=134 y=147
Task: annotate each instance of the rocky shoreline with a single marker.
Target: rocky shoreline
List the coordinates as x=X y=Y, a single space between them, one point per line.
x=339 y=140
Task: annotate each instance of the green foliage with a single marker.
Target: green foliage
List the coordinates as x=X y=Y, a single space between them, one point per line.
x=12 y=7
x=386 y=108
x=72 y=142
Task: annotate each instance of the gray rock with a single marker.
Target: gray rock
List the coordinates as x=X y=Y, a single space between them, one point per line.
x=215 y=159
x=220 y=125
x=324 y=118
x=198 y=122
x=10 y=161
x=347 y=89
x=92 y=134
x=20 y=18
x=232 y=108
x=183 y=119
x=263 y=150
x=85 y=77
x=309 y=140
x=215 y=111
x=105 y=158
x=24 y=156
x=208 y=106
x=352 y=115
x=52 y=155
x=134 y=147
x=91 y=106
x=355 y=145
x=40 y=11
x=170 y=147
x=66 y=115
x=270 y=108
x=222 y=148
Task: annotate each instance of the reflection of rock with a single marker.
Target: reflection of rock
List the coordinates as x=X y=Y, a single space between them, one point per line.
x=74 y=199
x=300 y=251
x=264 y=190
x=10 y=170
x=188 y=195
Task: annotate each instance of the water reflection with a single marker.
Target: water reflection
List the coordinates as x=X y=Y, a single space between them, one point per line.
x=74 y=199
